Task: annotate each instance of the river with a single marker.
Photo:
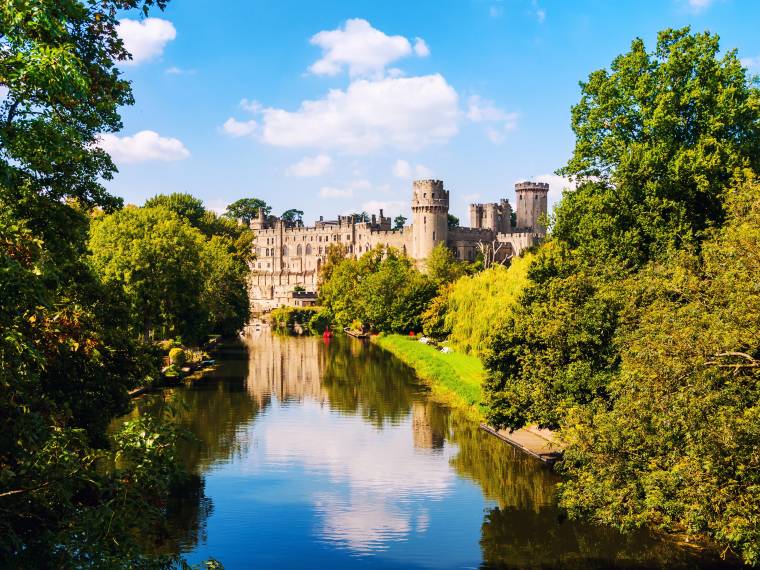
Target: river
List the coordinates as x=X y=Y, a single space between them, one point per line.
x=330 y=454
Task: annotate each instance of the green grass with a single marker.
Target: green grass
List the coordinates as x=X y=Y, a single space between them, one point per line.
x=455 y=378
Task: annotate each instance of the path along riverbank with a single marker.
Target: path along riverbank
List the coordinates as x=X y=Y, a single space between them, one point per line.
x=456 y=379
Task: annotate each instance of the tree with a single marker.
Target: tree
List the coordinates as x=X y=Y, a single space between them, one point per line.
x=246 y=209
x=382 y=289
x=361 y=217
x=66 y=356
x=293 y=216
x=399 y=222
x=452 y=221
x=658 y=138
x=679 y=441
x=184 y=205
x=442 y=267
x=155 y=256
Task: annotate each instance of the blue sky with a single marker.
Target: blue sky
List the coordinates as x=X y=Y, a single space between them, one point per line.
x=333 y=107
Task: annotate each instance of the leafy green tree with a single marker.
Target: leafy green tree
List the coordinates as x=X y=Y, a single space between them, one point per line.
x=247 y=209
x=679 y=441
x=452 y=221
x=156 y=258
x=225 y=290
x=361 y=217
x=293 y=216
x=66 y=356
x=659 y=137
x=184 y=205
x=382 y=289
x=399 y=222
x=442 y=267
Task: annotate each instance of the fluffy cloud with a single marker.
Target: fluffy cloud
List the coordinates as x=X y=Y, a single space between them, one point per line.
x=390 y=208
x=346 y=191
x=699 y=5
x=498 y=122
x=174 y=70
x=142 y=147
x=310 y=166
x=402 y=169
x=361 y=49
x=236 y=128
x=751 y=63
x=145 y=39
x=402 y=112
x=556 y=185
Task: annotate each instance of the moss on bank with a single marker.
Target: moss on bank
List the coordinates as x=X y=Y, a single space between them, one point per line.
x=455 y=378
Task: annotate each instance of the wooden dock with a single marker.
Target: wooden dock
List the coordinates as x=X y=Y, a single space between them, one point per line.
x=355 y=334
x=533 y=441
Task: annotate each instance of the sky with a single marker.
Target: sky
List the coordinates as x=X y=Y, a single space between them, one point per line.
x=335 y=107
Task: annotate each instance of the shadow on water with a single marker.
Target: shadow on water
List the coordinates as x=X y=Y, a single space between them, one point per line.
x=362 y=508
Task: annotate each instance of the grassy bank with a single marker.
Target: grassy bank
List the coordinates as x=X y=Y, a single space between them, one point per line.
x=454 y=378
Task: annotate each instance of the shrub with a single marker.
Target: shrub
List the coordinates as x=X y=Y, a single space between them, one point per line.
x=285 y=318
x=320 y=321
x=177 y=357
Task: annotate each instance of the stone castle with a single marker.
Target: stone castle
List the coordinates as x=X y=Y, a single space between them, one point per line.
x=290 y=255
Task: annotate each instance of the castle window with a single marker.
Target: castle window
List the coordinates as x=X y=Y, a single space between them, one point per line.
x=299 y=251
x=285 y=250
x=348 y=238
x=433 y=235
x=308 y=249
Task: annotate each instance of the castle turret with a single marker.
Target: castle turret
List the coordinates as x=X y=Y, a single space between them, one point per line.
x=430 y=213
x=259 y=222
x=531 y=205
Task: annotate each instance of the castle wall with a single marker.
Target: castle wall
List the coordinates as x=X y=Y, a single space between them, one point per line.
x=292 y=255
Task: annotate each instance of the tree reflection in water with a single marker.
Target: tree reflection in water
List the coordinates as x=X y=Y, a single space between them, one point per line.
x=521 y=526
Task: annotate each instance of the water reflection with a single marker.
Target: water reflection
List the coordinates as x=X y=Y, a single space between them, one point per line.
x=315 y=454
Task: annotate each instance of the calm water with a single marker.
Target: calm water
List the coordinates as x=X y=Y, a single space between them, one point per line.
x=330 y=455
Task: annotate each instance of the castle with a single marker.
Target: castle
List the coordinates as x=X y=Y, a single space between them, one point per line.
x=290 y=255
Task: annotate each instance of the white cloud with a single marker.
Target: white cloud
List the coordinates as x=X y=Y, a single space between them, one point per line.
x=421 y=48
x=174 y=70
x=402 y=169
x=346 y=191
x=310 y=166
x=700 y=5
x=422 y=171
x=556 y=185
x=236 y=128
x=362 y=49
x=498 y=122
x=390 y=208
x=145 y=39
x=143 y=146
x=751 y=63
x=252 y=106
x=403 y=112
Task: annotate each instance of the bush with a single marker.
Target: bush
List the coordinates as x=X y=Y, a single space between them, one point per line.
x=285 y=318
x=177 y=357
x=320 y=321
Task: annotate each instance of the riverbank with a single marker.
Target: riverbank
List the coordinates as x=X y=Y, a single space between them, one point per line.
x=454 y=378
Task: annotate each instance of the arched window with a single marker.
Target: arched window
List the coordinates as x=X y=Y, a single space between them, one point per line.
x=308 y=249
x=285 y=250
x=299 y=250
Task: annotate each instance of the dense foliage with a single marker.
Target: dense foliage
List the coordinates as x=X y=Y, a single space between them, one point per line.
x=637 y=333
x=67 y=352
x=472 y=307
x=382 y=290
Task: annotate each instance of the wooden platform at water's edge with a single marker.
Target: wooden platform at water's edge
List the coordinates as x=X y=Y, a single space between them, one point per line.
x=532 y=441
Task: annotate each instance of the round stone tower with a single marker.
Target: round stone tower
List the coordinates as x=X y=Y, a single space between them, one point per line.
x=430 y=216
x=531 y=206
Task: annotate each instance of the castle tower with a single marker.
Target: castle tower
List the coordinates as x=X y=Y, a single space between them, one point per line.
x=430 y=216
x=531 y=205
